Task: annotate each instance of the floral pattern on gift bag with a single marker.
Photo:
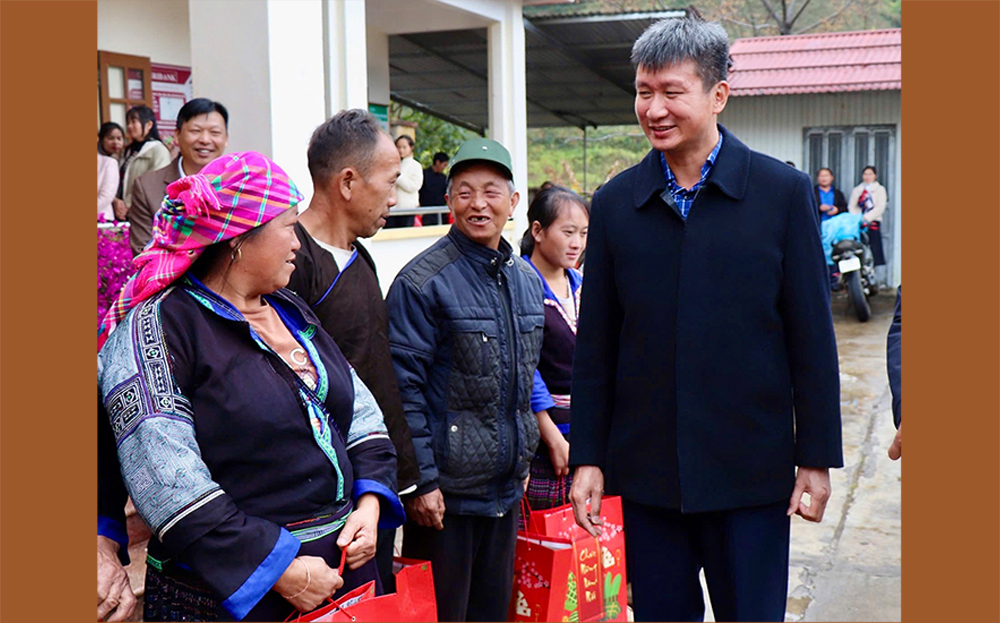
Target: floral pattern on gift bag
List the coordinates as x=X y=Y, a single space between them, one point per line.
x=560 y=522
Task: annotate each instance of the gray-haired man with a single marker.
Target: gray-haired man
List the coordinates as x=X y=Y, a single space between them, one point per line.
x=706 y=363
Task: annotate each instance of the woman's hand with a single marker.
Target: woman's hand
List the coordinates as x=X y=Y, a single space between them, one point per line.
x=559 y=453
x=358 y=537
x=308 y=582
x=114 y=593
x=554 y=439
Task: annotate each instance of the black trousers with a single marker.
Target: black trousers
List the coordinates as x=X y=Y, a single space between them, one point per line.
x=383 y=558
x=473 y=563
x=744 y=553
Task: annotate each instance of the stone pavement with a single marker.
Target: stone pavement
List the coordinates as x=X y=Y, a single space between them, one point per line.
x=848 y=568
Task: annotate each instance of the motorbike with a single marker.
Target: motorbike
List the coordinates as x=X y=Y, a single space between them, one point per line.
x=856 y=267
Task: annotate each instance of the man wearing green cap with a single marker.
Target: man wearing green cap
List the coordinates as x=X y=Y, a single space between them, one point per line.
x=465 y=330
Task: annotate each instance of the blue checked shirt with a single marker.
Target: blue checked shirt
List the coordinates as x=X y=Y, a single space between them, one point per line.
x=682 y=196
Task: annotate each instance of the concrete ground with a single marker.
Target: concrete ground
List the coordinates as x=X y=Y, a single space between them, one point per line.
x=848 y=568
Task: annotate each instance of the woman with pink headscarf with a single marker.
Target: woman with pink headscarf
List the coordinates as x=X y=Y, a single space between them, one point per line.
x=247 y=443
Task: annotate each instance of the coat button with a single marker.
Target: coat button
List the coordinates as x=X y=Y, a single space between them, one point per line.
x=454 y=428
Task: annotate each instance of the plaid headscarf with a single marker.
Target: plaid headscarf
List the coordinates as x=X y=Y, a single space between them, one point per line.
x=231 y=195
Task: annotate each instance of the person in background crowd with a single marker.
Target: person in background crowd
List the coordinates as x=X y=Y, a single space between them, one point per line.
x=107 y=186
x=110 y=140
x=705 y=380
x=249 y=526
x=354 y=165
x=831 y=201
x=145 y=153
x=465 y=330
x=553 y=244
x=408 y=183
x=894 y=365
x=869 y=199
x=202 y=136
x=432 y=190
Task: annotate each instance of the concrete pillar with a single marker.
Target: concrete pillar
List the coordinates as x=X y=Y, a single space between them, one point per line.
x=508 y=118
x=346 y=55
x=378 y=67
x=263 y=60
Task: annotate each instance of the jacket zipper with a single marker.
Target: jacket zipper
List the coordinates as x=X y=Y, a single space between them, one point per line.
x=505 y=308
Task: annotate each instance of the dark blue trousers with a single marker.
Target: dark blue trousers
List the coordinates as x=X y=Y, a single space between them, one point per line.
x=744 y=553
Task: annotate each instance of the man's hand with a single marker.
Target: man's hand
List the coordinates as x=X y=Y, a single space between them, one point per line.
x=815 y=482
x=114 y=593
x=896 y=449
x=358 y=537
x=427 y=509
x=588 y=484
x=119 y=207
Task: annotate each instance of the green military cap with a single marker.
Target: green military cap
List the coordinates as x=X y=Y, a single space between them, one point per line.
x=482 y=149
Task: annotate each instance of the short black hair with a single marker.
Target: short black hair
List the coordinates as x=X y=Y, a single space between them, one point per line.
x=872 y=168
x=348 y=138
x=409 y=139
x=201 y=106
x=441 y=157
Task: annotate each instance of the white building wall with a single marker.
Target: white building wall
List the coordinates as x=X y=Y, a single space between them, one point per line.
x=150 y=28
x=774 y=124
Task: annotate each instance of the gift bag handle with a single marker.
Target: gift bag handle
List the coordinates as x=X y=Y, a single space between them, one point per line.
x=297 y=615
x=526 y=512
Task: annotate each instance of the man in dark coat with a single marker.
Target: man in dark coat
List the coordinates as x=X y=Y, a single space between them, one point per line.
x=894 y=366
x=354 y=165
x=706 y=363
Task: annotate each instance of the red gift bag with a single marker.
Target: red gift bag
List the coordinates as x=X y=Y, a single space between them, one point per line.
x=415 y=590
x=361 y=604
x=552 y=581
x=560 y=522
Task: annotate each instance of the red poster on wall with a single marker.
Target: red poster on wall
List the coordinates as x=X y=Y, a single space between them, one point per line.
x=171 y=88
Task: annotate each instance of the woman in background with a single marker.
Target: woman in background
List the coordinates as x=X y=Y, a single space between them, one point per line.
x=552 y=245
x=828 y=197
x=110 y=140
x=107 y=186
x=869 y=199
x=146 y=152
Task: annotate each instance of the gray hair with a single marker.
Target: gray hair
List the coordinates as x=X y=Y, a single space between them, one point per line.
x=347 y=139
x=672 y=41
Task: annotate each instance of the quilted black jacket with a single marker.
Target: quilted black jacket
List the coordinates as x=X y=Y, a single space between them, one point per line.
x=465 y=369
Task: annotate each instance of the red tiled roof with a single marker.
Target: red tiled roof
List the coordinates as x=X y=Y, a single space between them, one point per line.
x=867 y=60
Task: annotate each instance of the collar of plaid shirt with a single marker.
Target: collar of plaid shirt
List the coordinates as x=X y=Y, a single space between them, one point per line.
x=682 y=196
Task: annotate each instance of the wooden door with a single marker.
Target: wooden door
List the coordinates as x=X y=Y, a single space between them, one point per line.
x=124 y=82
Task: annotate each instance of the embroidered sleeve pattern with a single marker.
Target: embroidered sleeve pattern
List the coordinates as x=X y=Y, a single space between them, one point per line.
x=368 y=423
x=153 y=425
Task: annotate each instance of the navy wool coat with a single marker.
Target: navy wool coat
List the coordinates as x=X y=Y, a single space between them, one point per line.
x=706 y=362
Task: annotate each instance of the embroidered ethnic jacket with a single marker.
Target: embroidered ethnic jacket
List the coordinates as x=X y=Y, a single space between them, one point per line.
x=555 y=365
x=222 y=446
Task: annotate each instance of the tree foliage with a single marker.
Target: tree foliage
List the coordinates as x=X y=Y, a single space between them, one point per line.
x=433 y=134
